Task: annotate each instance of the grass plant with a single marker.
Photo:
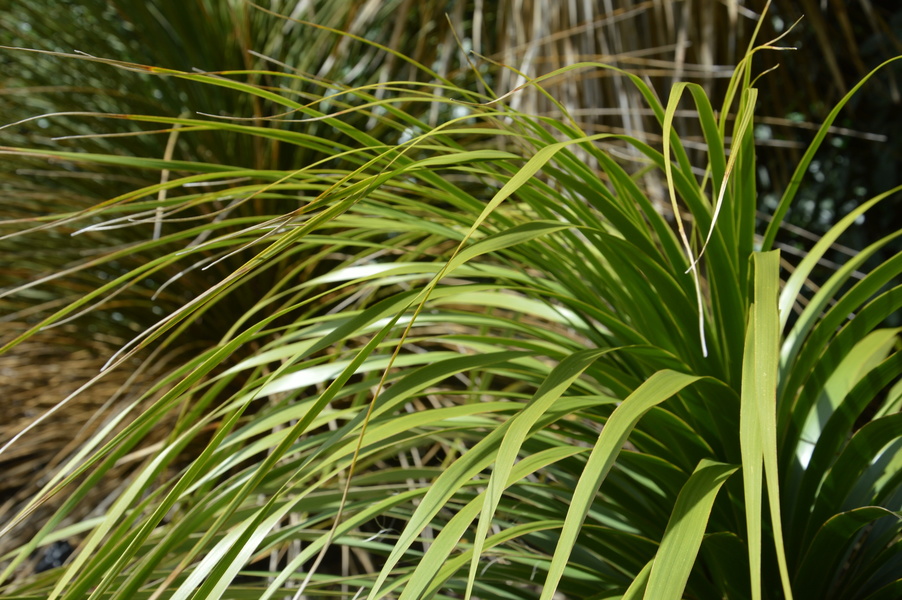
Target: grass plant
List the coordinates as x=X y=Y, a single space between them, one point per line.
x=454 y=357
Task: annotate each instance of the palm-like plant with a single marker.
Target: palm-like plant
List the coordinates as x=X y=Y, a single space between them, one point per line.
x=469 y=363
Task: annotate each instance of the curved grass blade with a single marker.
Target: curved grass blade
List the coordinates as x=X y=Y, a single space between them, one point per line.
x=685 y=529
x=658 y=388
x=798 y=175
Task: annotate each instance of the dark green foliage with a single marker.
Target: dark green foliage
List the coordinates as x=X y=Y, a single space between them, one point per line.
x=417 y=341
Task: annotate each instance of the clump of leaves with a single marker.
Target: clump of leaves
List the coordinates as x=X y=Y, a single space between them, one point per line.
x=474 y=360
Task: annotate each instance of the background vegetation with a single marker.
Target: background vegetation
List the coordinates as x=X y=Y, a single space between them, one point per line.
x=371 y=326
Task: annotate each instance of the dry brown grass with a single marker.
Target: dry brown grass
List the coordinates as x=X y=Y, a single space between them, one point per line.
x=38 y=377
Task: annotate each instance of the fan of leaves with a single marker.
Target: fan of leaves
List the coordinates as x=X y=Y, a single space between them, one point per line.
x=453 y=357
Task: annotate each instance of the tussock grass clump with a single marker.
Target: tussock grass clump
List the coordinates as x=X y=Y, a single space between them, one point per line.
x=463 y=356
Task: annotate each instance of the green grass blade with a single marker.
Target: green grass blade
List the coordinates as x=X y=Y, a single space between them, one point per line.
x=636 y=590
x=830 y=546
x=658 y=388
x=685 y=529
x=449 y=537
x=557 y=383
x=801 y=273
x=758 y=430
x=506 y=439
x=802 y=167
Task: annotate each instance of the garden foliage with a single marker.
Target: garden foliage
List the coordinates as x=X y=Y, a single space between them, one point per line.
x=464 y=359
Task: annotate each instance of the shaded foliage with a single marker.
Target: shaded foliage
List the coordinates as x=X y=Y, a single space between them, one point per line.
x=420 y=339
